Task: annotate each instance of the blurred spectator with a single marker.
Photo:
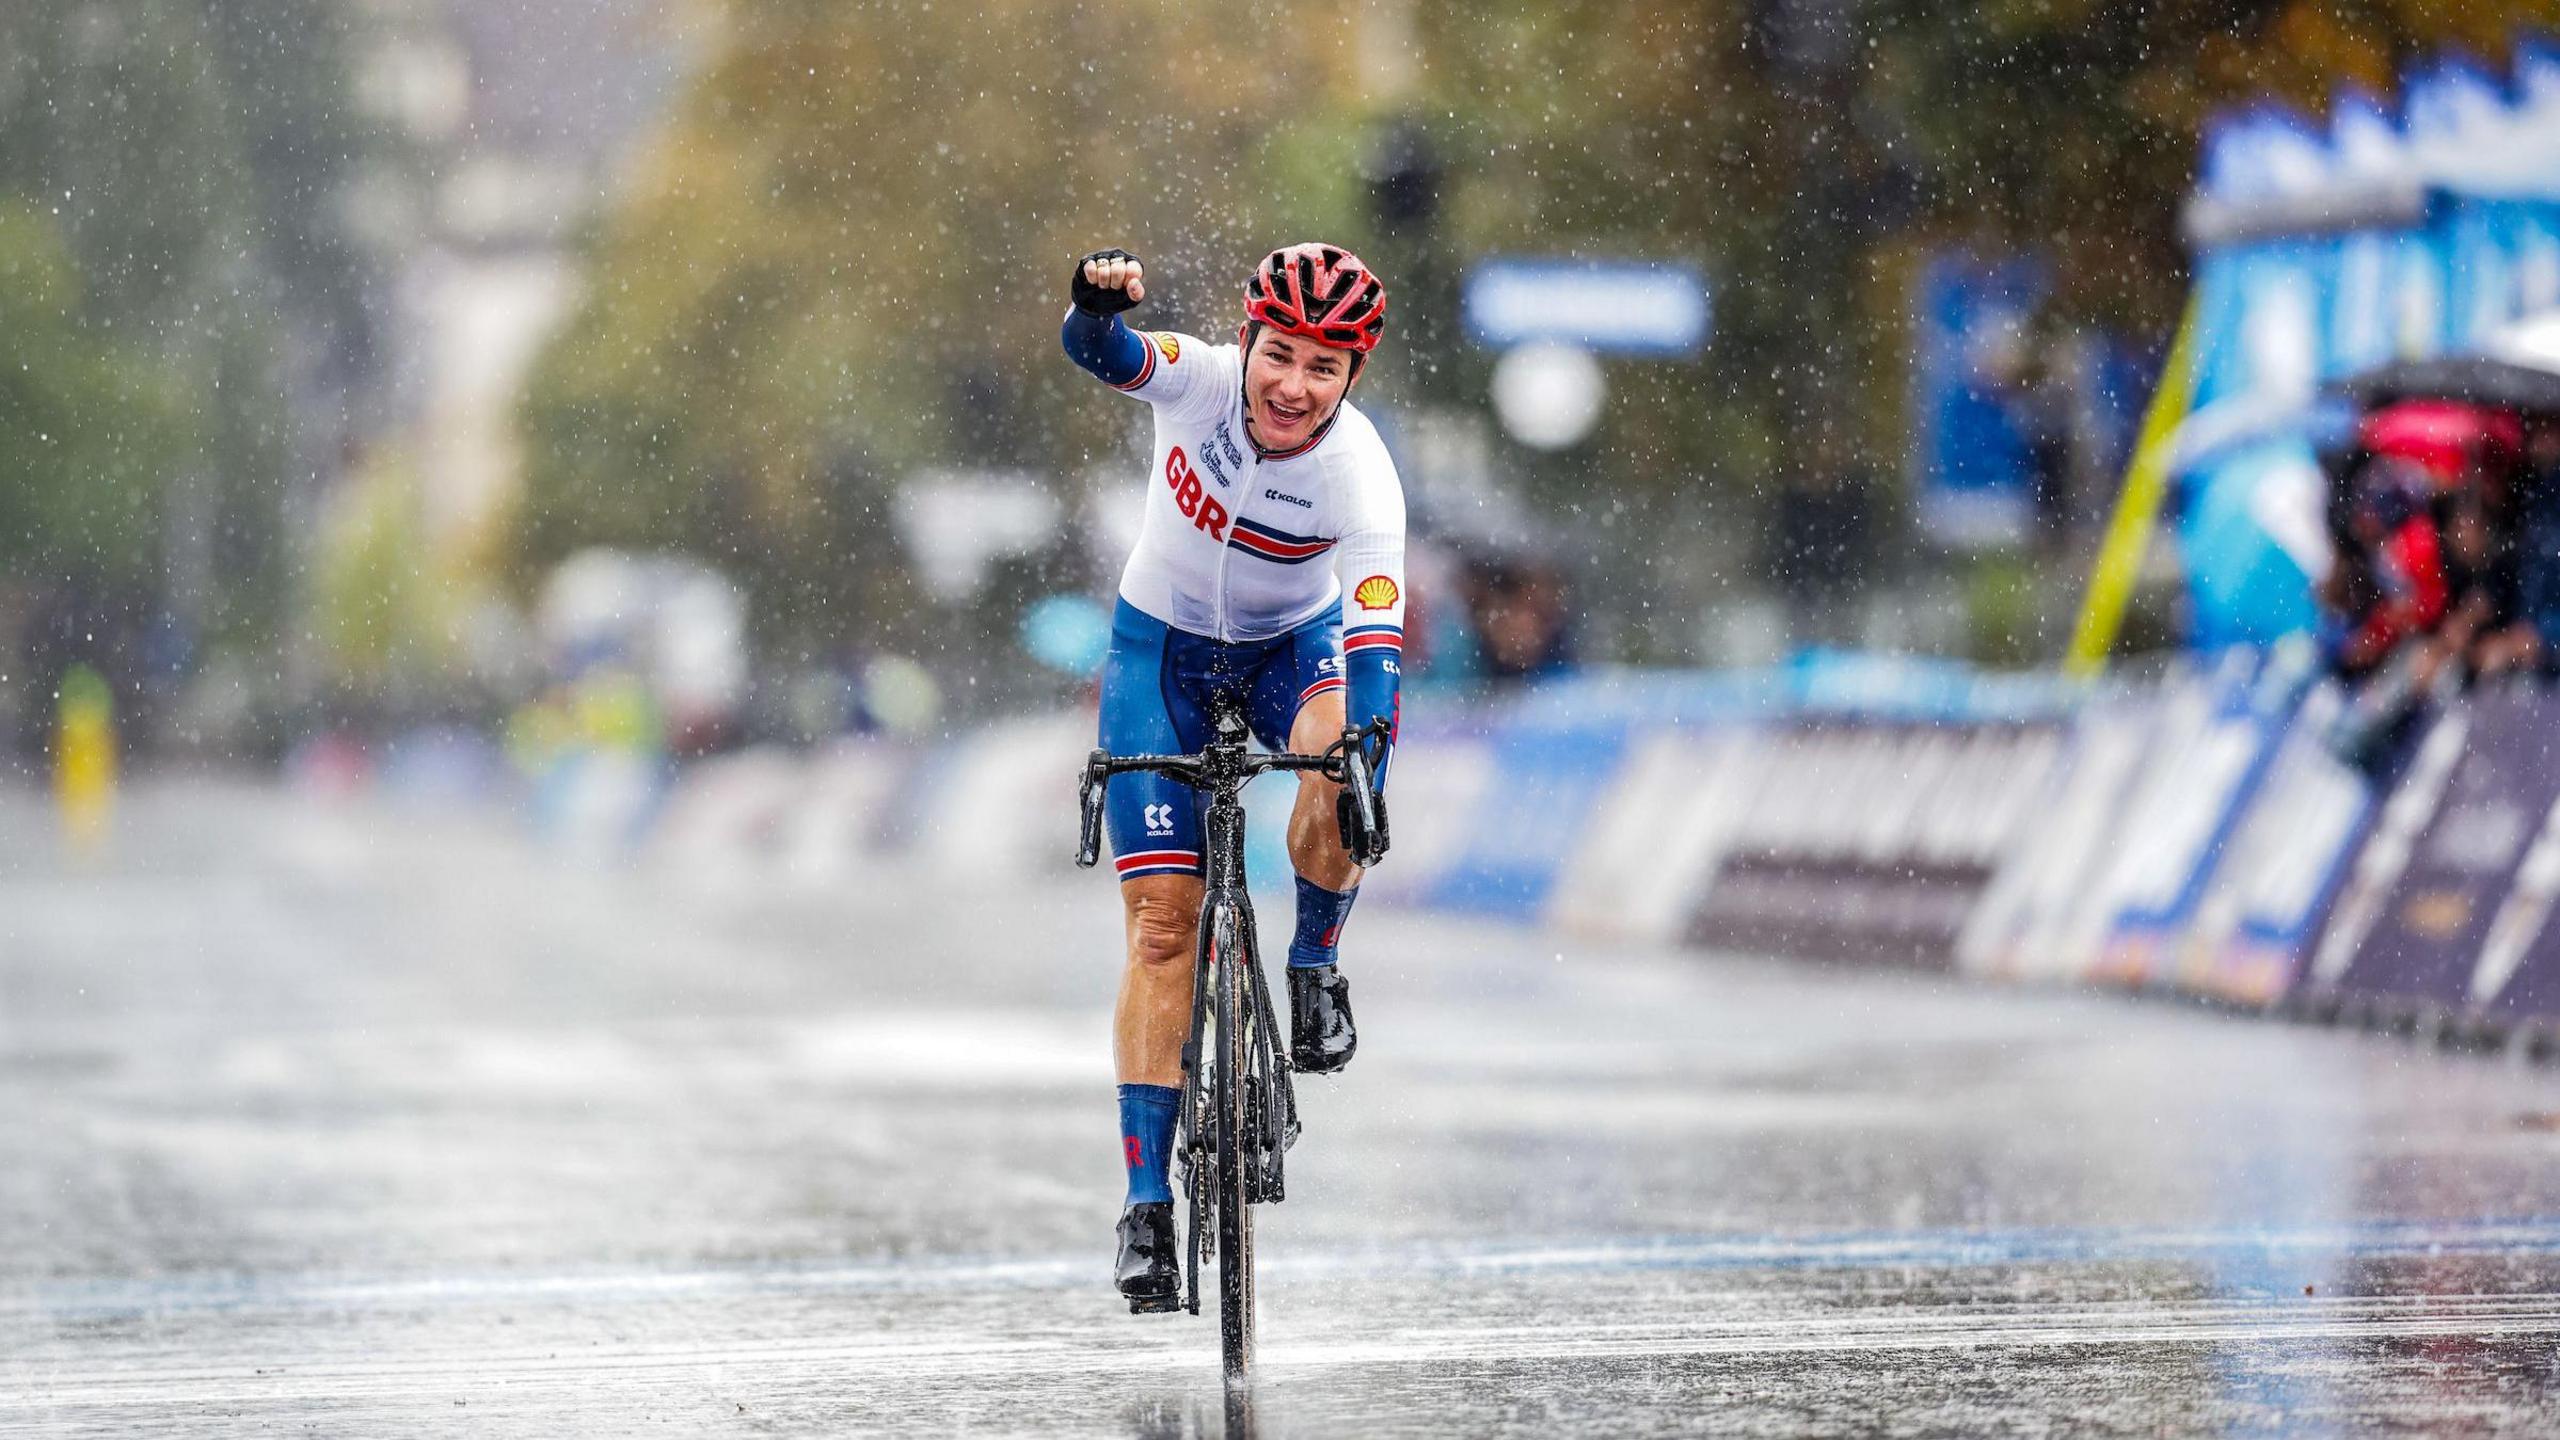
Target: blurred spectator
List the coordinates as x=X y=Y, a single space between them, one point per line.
x=2484 y=547
x=75 y=620
x=1520 y=619
x=2537 y=505
x=2389 y=583
x=2448 y=550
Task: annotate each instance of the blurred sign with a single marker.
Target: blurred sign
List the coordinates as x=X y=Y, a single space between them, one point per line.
x=1983 y=409
x=1615 y=307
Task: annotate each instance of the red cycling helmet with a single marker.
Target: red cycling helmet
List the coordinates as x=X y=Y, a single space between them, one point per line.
x=1318 y=292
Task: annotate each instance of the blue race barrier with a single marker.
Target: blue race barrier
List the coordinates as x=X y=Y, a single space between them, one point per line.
x=1546 y=782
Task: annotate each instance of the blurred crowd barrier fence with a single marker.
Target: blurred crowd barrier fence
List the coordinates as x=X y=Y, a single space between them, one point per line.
x=2195 y=834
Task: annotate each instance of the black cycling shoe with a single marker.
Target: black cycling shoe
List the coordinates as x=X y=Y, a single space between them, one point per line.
x=1149 y=1270
x=1321 y=1037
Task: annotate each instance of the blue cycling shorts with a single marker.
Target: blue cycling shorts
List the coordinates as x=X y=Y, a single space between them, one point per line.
x=1156 y=689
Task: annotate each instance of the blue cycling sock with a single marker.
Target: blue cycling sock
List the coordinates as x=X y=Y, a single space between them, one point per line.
x=1146 y=1139
x=1320 y=916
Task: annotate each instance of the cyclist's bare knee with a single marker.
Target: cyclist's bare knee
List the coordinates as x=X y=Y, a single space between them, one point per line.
x=1317 y=724
x=1315 y=837
x=1163 y=917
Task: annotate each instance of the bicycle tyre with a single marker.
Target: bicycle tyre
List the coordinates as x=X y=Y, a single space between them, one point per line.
x=1234 y=1166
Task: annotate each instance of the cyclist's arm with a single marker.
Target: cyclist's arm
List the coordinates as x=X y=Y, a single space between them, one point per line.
x=1161 y=368
x=1107 y=349
x=1369 y=555
x=1158 y=366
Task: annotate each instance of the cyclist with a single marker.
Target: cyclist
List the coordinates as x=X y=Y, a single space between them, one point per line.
x=1270 y=567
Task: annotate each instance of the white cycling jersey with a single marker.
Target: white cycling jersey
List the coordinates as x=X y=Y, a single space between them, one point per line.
x=1237 y=545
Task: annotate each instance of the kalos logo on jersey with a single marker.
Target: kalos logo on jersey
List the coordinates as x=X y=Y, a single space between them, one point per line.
x=1171 y=347
x=1375 y=593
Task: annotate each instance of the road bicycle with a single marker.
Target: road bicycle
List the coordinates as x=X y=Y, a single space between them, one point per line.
x=1239 y=1111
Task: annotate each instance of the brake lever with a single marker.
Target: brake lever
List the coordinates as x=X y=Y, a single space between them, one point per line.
x=1335 y=754
x=1372 y=804
x=1377 y=729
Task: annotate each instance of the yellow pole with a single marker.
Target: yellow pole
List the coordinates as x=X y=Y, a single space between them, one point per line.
x=2146 y=482
x=84 y=758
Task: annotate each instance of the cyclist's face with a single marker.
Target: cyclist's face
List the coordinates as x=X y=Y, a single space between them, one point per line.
x=1291 y=387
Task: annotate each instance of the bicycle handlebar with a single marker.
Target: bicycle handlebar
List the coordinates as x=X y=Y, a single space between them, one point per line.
x=1345 y=762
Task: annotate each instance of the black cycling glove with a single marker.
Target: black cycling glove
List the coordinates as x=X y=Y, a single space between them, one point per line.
x=1094 y=300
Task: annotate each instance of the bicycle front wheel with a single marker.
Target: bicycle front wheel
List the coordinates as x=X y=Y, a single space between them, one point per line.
x=1233 y=982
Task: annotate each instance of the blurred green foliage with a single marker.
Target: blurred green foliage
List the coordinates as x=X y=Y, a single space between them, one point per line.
x=380 y=616
x=88 y=428
x=844 y=258
x=176 y=283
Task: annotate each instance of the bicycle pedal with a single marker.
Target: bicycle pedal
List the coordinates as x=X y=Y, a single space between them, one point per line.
x=1155 y=1304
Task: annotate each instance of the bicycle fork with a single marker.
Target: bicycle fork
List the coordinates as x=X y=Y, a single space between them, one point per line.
x=1275 y=1110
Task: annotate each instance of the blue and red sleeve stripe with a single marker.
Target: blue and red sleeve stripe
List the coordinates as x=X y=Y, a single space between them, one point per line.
x=1146 y=366
x=1387 y=638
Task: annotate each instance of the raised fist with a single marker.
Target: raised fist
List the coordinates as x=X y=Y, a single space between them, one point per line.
x=1108 y=282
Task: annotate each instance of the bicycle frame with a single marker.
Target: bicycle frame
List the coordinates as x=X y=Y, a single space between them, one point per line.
x=1244 y=1052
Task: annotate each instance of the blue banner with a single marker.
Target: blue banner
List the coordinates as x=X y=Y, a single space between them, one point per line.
x=1524 y=828
x=1973 y=397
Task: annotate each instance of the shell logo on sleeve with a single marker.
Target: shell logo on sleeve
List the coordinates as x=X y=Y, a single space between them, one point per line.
x=1171 y=347
x=1375 y=593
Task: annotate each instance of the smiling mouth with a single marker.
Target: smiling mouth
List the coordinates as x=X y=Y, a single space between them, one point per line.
x=1283 y=415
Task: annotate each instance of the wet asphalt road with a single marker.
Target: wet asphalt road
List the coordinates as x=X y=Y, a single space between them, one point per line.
x=353 y=1121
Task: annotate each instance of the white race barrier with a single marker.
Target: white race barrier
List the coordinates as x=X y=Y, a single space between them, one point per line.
x=842 y=819
x=726 y=816
x=1663 y=829
x=2046 y=908
x=1002 y=801
x=2252 y=928
x=1871 y=840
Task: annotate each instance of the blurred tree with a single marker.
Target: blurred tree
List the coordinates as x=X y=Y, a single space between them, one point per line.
x=191 y=154
x=846 y=257
x=382 y=619
x=89 y=430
